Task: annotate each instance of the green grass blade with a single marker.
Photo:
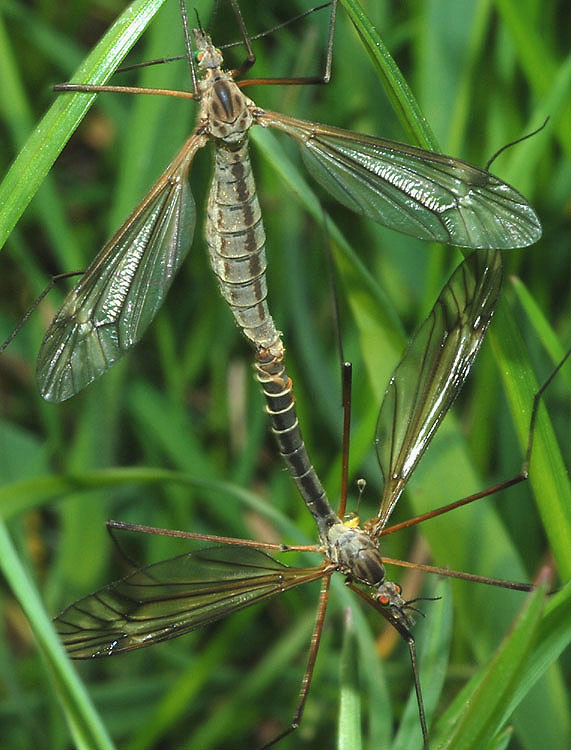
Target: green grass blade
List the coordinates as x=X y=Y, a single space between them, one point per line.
x=541 y=325
x=484 y=705
x=547 y=472
x=433 y=639
x=185 y=401
x=395 y=84
x=349 y=736
x=52 y=133
x=85 y=725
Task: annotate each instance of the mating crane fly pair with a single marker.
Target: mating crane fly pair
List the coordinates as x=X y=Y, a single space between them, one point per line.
x=420 y=193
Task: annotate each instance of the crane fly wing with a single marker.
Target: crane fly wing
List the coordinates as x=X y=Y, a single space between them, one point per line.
x=420 y=193
x=173 y=597
x=432 y=371
x=109 y=309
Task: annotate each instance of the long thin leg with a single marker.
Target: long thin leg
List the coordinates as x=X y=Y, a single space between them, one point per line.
x=322 y=79
x=313 y=649
x=347 y=373
x=35 y=303
x=228 y=45
x=246 y=65
x=521 y=477
x=251 y=58
x=407 y=636
x=346 y=377
x=512 y=585
x=142 y=529
x=188 y=46
x=272 y=29
x=88 y=88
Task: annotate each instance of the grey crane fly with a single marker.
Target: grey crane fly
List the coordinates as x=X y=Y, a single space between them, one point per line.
x=421 y=193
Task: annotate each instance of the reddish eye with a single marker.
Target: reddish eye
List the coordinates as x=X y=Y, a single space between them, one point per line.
x=398 y=588
x=384 y=600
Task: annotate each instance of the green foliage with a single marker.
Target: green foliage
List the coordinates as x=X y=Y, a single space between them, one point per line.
x=175 y=435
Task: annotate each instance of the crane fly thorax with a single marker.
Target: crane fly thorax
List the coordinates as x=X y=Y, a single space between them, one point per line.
x=226 y=111
x=356 y=554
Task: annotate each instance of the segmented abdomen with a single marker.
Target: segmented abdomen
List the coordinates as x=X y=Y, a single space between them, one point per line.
x=280 y=405
x=236 y=241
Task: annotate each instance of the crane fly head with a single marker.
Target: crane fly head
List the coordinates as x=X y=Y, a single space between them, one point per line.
x=389 y=595
x=206 y=55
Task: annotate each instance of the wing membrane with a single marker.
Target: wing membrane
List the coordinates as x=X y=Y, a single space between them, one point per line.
x=418 y=192
x=432 y=371
x=107 y=312
x=173 y=597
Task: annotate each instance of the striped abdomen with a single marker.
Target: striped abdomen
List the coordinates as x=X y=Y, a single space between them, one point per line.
x=277 y=388
x=236 y=241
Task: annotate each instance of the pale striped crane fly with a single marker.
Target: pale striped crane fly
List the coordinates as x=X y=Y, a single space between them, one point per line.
x=421 y=193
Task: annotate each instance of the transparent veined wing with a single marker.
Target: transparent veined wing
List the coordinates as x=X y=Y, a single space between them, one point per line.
x=432 y=370
x=420 y=193
x=173 y=597
x=111 y=306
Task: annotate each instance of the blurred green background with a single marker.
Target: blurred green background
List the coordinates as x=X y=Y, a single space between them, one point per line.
x=175 y=434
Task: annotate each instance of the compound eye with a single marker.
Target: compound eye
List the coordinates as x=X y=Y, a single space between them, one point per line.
x=384 y=600
x=198 y=55
x=398 y=589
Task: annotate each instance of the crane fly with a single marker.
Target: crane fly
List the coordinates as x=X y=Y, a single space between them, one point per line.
x=421 y=193
x=176 y=596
